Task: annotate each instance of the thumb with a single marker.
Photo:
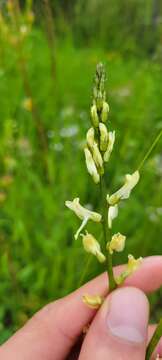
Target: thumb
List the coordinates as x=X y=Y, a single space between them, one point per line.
x=119 y=330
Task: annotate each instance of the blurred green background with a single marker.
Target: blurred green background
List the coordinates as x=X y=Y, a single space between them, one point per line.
x=48 y=54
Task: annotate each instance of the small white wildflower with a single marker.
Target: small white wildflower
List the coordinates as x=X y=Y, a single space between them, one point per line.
x=105 y=111
x=117 y=243
x=93 y=301
x=124 y=192
x=97 y=157
x=132 y=266
x=112 y=214
x=111 y=140
x=91 y=167
x=90 y=137
x=103 y=137
x=94 y=116
x=92 y=246
x=84 y=214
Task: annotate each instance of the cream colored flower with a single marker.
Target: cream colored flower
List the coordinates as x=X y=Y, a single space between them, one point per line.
x=84 y=214
x=132 y=266
x=97 y=156
x=124 y=192
x=91 y=167
x=103 y=137
x=117 y=243
x=92 y=246
x=112 y=214
x=93 y=301
x=111 y=140
x=90 y=137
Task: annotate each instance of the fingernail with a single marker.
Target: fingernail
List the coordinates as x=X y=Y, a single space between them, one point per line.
x=128 y=315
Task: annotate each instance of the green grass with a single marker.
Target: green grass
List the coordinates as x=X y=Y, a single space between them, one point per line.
x=39 y=259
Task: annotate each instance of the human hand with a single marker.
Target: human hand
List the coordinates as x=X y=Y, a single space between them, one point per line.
x=119 y=330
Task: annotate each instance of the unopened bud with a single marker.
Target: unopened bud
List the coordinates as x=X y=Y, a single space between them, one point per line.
x=93 y=301
x=90 y=137
x=99 y=101
x=92 y=246
x=94 y=116
x=91 y=167
x=110 y=146
x=103 y=137
x=105 y=111
x=97 y=156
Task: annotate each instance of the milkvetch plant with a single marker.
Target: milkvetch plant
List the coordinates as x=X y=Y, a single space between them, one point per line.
x=100 y=141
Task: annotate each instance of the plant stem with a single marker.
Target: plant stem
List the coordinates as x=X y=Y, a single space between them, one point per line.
x=84 y=273
x=150 y=150
x=112 y=284
x=154 y=340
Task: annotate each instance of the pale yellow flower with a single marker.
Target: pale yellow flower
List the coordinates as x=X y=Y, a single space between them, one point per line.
x=131 y=267
x=93 y=301
x=124 y=192
x=111 y=140
x=84 y=214
x=91 y=167
x=117 y=243
x=92 y=246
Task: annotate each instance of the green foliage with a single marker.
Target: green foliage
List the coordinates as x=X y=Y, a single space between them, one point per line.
x=39 y=259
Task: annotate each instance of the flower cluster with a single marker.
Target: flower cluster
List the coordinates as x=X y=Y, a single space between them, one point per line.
x=100 y=141
x=99 y=146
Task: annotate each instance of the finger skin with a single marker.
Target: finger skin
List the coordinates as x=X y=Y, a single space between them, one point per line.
x=119 y=330
x=52 y=331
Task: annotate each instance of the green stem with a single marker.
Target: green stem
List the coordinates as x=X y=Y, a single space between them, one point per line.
x=112 y=283
x=154 y=340
x=150 y=150
x=84 y=273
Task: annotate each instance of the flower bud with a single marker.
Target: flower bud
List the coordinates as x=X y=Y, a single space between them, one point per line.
x=111 y=140
x=94 y=116
x=117 y=243
x=97 y=157
x=103 y=137
x=91 y=167
x=90 y=137
x=105 y=111
x=112 y=214
x=99 y=101
x=93 y=301
x=92 y=246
